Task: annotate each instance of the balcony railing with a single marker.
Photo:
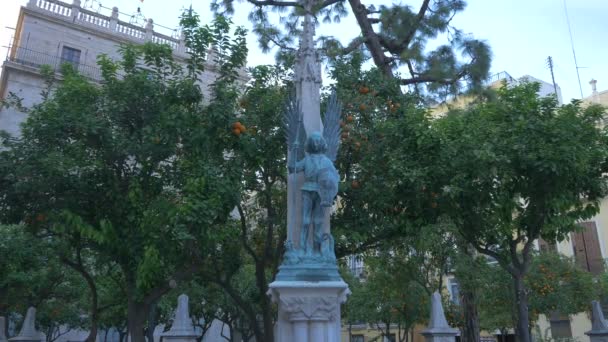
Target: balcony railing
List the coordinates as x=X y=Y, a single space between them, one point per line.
x=37 y=59
x=76 y=15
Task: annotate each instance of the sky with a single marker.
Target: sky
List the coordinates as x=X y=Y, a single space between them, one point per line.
x=521 y=33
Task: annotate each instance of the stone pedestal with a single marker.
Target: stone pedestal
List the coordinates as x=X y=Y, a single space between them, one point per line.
x=438 y=329
x=182 y=329
x=599 y=326
x=308 y=311
x=28 y=331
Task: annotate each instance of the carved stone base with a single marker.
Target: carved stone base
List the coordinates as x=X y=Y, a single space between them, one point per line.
x=309 y=272
x=308 y=311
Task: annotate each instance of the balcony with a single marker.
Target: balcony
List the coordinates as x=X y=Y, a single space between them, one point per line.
x=36 y=59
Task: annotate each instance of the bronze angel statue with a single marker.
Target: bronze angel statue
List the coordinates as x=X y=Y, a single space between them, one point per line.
x=321 y=178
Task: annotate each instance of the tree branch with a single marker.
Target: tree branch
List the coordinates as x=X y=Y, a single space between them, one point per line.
x=372 y=42
x=244 y=233
x=275 y=3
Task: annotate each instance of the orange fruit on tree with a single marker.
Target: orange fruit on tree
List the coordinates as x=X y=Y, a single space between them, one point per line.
x=236 y=131
x=350 y=118
x=363 y=90
x=362 y=107
x=355 y=184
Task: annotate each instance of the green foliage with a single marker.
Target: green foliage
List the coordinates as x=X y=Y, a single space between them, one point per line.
x=555 y=282
x=385 y=156
x=511 y=167
x=133 y=171
x=511 y=173
x=32 y=275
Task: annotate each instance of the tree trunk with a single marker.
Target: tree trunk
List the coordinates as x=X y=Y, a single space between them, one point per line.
x=137 y=314
x=79 y=267
x=260 y=274
x=470 y=329
x=521 y=300
x=151 y=322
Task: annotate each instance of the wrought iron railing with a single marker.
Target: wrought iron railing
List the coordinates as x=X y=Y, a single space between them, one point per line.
x=37 y=59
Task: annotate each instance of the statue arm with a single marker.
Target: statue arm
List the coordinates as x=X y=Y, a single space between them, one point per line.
x=299 y=167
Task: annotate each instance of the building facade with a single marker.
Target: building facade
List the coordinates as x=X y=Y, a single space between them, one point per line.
x=51 y=32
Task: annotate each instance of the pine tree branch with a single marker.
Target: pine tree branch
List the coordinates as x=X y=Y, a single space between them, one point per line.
x=353 y=45
x=372 y=41
x=274 y=3
x=330 y=2
x=396 y=47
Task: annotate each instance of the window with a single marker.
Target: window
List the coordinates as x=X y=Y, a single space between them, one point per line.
x=357 y=338
x=545 y=246
x=454 y=291
x=560 y=326
x=70 y=55
x=587 y=248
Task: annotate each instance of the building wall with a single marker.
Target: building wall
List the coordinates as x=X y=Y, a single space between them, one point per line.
x=26 y=84
x=44 y=28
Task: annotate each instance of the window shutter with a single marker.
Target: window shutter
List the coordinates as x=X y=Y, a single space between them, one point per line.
x=587 y=248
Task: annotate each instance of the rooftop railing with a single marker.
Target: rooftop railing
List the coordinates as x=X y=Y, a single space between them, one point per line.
x=77 y=15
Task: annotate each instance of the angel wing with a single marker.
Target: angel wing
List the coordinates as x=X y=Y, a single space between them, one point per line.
x=331 y=127
x=294 y=129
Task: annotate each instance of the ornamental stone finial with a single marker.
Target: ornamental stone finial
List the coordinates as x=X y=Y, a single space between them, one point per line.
x=28 y=329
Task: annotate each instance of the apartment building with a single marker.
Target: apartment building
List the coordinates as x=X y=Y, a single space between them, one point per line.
x=51 y=32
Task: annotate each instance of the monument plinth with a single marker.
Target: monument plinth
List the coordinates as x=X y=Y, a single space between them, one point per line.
x=182 y=329
x=308 y=288
x=28 y=332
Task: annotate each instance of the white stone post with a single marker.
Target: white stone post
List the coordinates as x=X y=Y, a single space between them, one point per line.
x=28 y=331
x=114 y=18
x=2 y=329
x=599 y=326
x=181 y=46
x=308 y=311
x=75 y=10
x=182 y=329
x=149 y=29
x=438 y=329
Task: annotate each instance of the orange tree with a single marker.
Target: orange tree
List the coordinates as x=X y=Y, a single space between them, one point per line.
x=512 y=173
x=555 y=282
x=382 y=194
x=132 y=173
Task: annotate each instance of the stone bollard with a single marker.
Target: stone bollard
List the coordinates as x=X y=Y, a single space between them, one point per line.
x=599 y=326
x=438 y=329
x=28 y=329
x=2 y=329
x=182 y=329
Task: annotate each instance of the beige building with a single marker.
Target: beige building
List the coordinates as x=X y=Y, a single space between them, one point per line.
x=51 y=32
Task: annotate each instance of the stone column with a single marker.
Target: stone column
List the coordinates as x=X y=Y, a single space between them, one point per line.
x=75 y=10
x=308 y=311
x=28 y=331
x=114 y=19
x=32 y=3
x=2 y=329
x=438 y=329
x=149 y=29
x=599 y=326
x=182 y=329
x=181 y=46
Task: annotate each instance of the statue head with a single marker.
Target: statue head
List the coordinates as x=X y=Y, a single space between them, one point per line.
x=316 y=143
